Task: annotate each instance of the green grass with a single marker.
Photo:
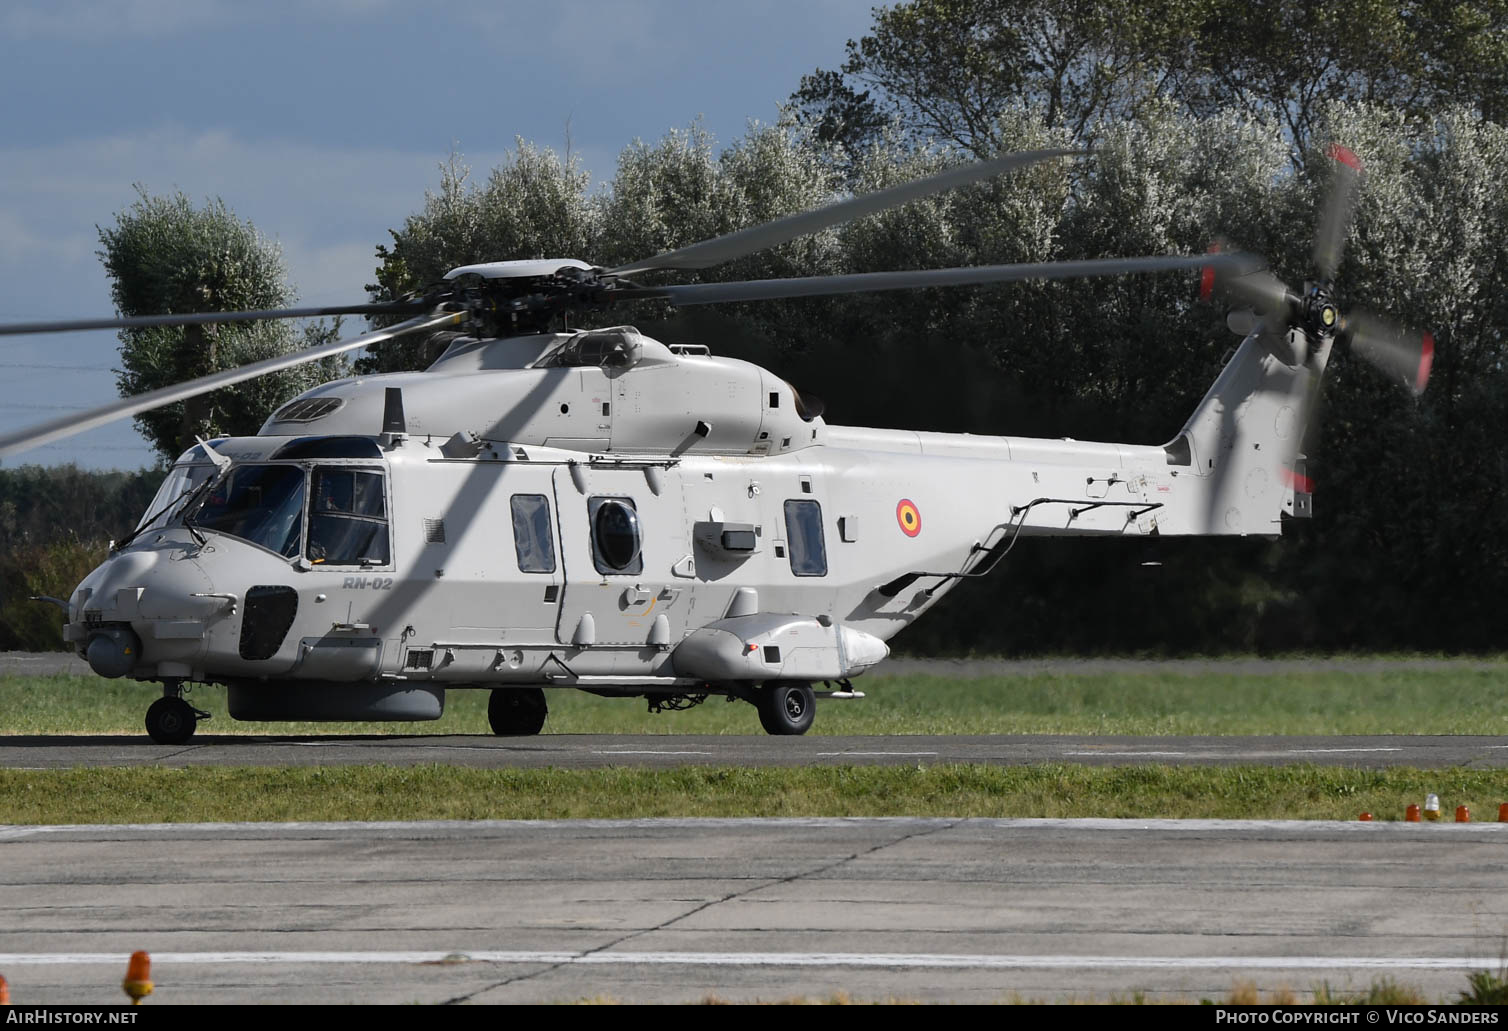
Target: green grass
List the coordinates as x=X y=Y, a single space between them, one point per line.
x=444 y=792
x=1453 y=701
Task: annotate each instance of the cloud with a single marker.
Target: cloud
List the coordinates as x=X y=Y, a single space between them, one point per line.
x=26 y=20
x=346 y=199
x=326 y=206
x=70 y=19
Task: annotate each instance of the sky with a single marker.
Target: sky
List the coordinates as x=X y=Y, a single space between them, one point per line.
x=324 y=124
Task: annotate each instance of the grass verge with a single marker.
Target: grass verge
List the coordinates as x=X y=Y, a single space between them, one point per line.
x=1471 y=701
x=442 y=792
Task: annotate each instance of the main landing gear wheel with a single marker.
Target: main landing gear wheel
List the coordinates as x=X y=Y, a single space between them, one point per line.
x=171 y=721
x=786 y=708
x=517 y=711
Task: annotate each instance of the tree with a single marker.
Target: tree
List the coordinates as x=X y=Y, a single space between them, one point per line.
x=534 y=205
x=664 y=195
x=165 y=256
x=948 y=69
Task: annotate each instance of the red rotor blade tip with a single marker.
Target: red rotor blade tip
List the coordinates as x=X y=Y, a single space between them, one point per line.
x=1426 y=359
x=1298 y=481
x=1207 y=277
x=1207 y=283
x=1345 y=156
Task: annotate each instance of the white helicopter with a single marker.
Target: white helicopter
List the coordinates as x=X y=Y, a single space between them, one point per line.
x=596 y=510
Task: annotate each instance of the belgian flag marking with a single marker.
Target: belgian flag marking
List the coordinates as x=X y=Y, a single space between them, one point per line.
x=909 y=517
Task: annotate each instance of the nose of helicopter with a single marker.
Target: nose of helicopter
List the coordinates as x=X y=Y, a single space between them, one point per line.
x=142 y=606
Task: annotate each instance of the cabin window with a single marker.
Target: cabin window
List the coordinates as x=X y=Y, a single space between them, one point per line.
x=615 y=535
x=348 y=523
x=531 y=533
x=262 y=504
x=803 y=530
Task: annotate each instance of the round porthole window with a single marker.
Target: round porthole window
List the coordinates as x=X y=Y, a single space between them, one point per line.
x=616 y=531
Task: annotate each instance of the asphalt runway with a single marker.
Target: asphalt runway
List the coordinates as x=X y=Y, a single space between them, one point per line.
x=675 y=910
x=662 y=751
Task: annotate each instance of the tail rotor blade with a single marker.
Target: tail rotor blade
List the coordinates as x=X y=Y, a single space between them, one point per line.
x=1401 y=354
x=1244 y=279
x=1330 y=240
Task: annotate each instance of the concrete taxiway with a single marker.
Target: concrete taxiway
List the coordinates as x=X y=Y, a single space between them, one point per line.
x=674 y=910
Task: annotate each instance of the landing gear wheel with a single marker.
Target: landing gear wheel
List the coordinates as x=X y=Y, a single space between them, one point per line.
x=171 y=721
x=786 y=708
x=517 y=711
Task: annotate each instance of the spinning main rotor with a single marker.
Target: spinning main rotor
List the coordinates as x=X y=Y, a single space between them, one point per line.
x=508 y=298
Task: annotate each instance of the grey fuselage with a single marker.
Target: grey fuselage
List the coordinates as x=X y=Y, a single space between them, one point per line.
x=767 y=544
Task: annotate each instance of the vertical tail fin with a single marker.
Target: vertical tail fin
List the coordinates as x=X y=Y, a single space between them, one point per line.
x=1244 y=443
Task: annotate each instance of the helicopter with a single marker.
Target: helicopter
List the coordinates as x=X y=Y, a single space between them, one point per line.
x=550 y=508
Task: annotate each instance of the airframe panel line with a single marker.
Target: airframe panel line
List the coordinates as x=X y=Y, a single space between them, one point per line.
x=774 y=959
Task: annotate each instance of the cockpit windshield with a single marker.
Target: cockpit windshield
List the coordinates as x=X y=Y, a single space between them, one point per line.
x=181 y=480
x=263 y=504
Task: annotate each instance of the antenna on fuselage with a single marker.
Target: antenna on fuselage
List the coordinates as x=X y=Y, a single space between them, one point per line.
x=394 y=425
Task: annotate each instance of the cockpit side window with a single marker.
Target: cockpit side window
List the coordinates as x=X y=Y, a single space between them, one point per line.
x=348 y=523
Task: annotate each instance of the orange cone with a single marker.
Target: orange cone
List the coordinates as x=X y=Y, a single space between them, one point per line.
x=4 y=993
x=1411 y=814
x=1503 y=812
x=1365 y=817
x=1463 y=814
x=138 y=982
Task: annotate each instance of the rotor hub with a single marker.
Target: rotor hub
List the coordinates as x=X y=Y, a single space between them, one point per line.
x=1320 y=315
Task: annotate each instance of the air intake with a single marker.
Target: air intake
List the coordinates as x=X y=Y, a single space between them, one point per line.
x=308 y=409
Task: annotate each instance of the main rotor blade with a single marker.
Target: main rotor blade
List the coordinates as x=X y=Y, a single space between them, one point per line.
x=1401 y=354
x=1330 y=240
x=819 y=286
x=203 y=318
x=770 y=234
x=67 y=426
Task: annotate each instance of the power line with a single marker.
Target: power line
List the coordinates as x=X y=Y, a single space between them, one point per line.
x=56 y=365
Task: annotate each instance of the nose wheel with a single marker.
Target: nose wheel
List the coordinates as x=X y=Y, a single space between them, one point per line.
x=171 y=721
x=786 y=708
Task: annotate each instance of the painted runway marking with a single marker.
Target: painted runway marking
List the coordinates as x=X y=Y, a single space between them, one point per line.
x=876 y=753
x=644 y=751
x=1318 y=751
x=471 y=829
x=1125 y=753
x=772 y=959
